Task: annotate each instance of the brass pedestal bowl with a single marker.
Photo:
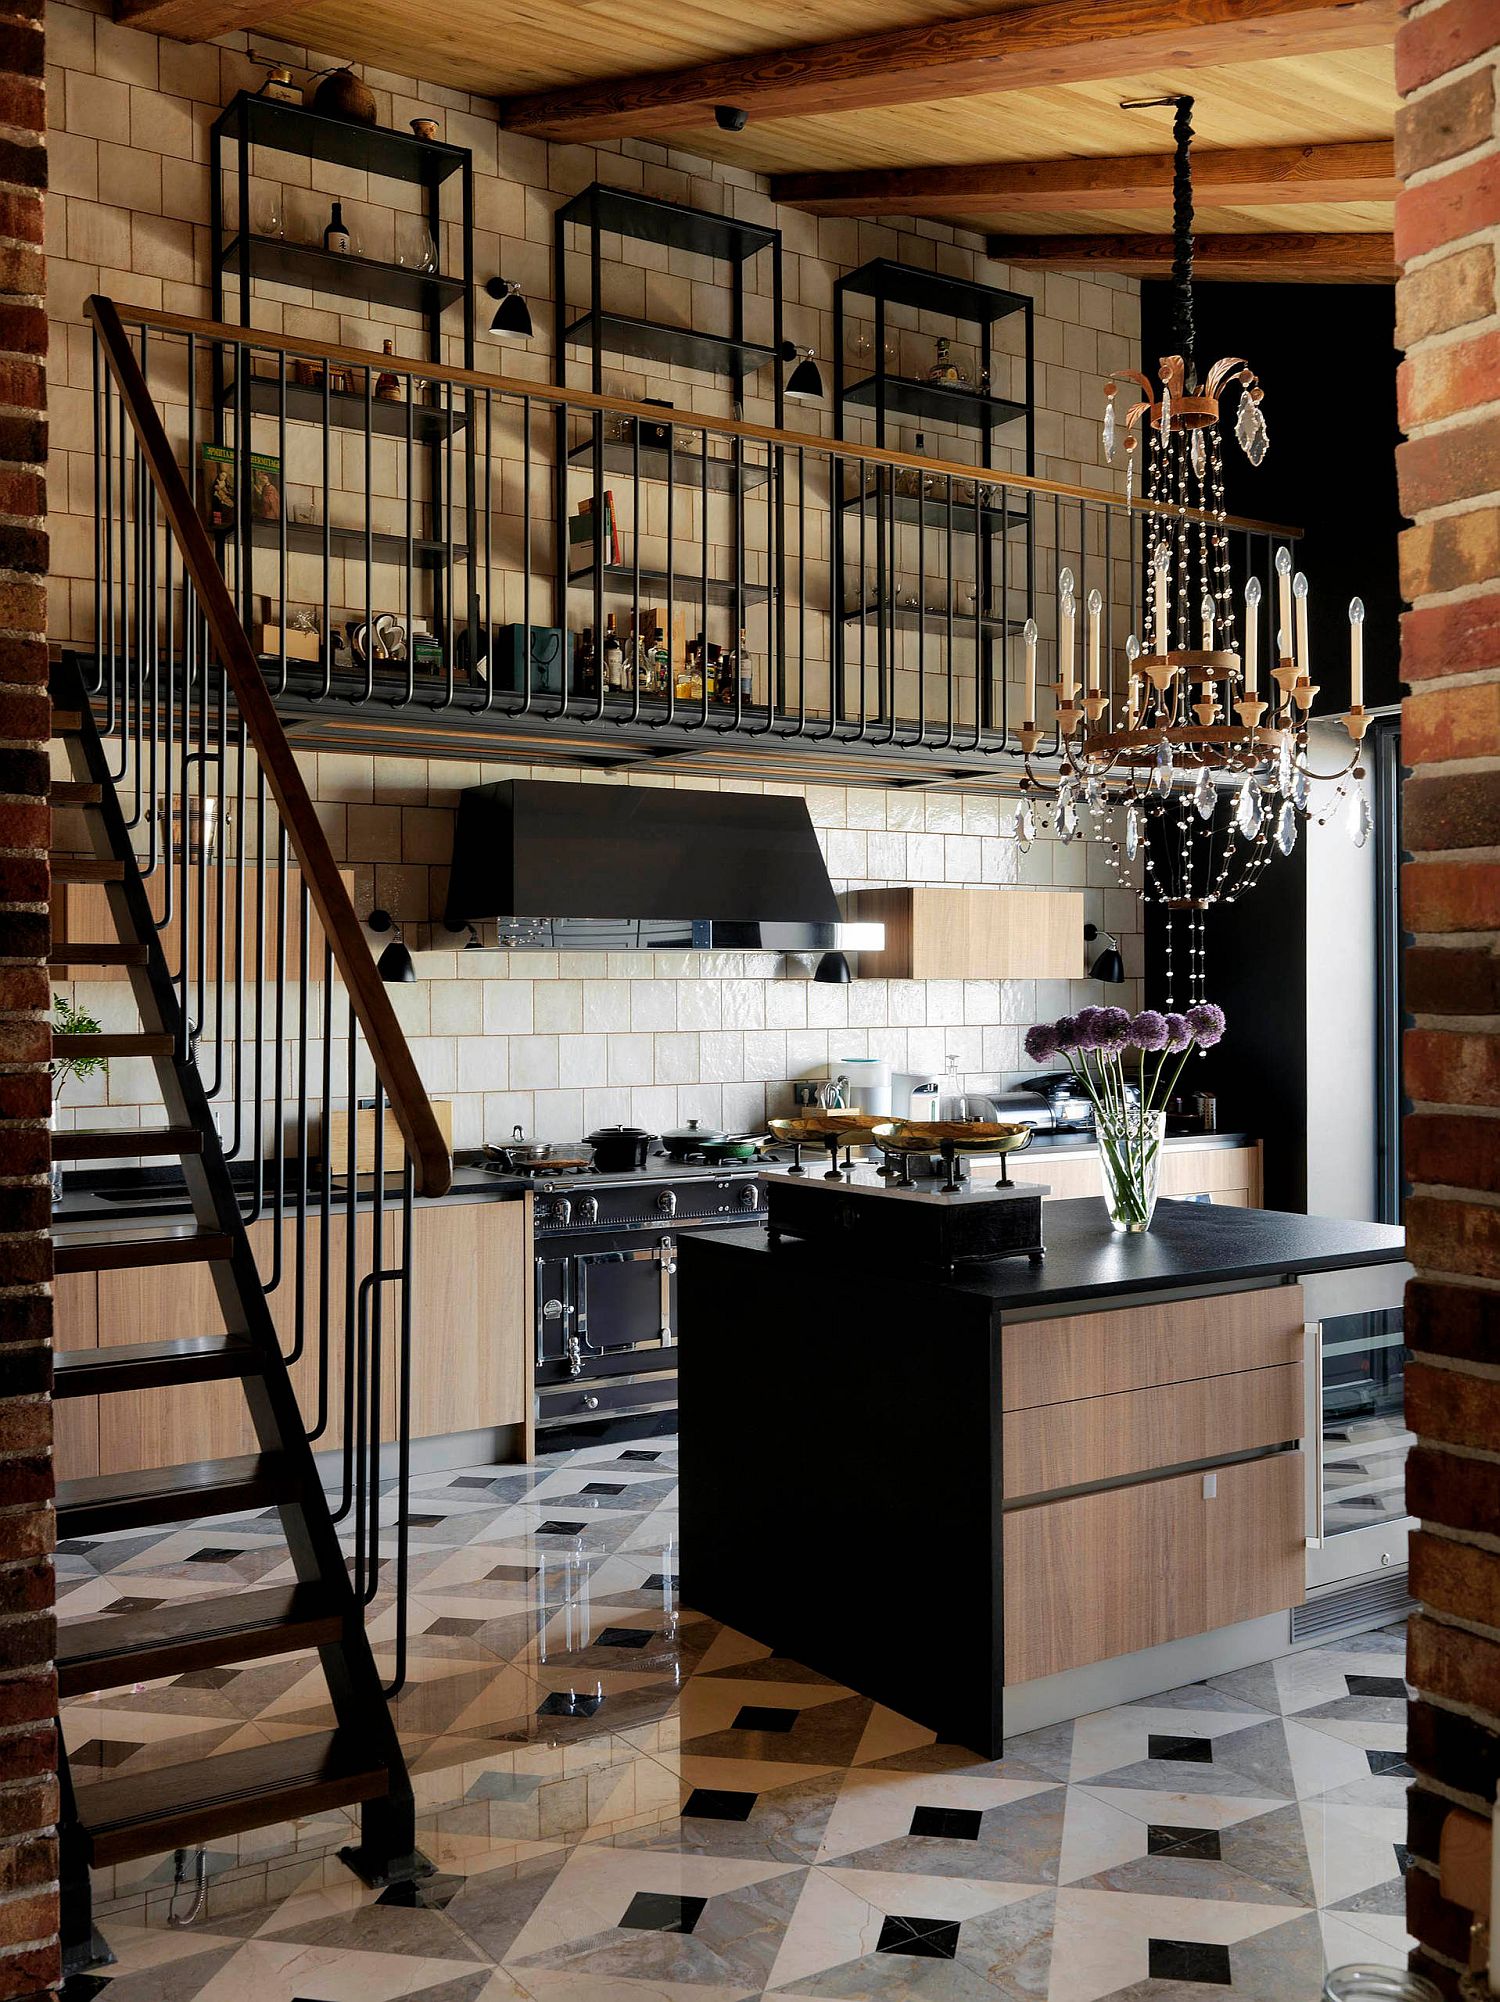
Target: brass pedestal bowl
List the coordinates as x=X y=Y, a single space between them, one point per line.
x=954 y=1139
x=832 y=1130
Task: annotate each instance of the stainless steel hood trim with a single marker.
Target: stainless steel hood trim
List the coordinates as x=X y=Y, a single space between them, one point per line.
x=668 y=935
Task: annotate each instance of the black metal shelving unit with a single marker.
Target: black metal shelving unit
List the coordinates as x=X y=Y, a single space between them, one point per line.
x=871 y=513
x=240 y=256
x=596 y=333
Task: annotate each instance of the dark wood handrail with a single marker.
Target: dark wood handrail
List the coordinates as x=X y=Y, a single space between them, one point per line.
x=657 y=413
x=389 y=1049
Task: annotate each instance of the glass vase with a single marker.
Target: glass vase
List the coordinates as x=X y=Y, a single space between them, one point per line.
x=1130 y=1144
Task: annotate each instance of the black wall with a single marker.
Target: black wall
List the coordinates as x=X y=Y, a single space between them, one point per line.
x=1326 y=357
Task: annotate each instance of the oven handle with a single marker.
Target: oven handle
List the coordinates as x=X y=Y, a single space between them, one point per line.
x=1312 y=1366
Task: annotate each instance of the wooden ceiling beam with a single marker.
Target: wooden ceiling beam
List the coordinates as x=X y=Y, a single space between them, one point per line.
x=1027 y=45
x=1347 y=258
x=1362 y=170
x=201 y=20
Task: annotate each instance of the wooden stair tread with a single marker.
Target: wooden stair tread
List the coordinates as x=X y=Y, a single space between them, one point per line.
x=66 y=722
x=176 y=1638
x=152 y=1365
x=124 y=1247
x=173 y=1494
x=75 y=792
x=119 y=1143
x=86 y=869
x=78 y=952
x=176 y=1807
x=115 y=1043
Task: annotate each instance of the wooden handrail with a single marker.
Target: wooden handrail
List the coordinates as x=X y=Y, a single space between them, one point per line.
x=657 y=413
x=389 y=1049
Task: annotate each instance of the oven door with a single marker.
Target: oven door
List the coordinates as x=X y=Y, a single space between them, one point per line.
x=604 y=1304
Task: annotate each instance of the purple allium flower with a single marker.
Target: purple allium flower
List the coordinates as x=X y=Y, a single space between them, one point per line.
x=1066 y=1030
x=1111 y=1028
x=1041 y=1042
x=1206 y=1024
x=1148 y=1031
x=1087 y=1021
x=1179 y=1035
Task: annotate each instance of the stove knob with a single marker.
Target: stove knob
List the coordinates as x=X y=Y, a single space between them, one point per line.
x=588 y=1210
x=750 y=1197
x=559 y=1212
x=666 y=1202
x=590 y=1403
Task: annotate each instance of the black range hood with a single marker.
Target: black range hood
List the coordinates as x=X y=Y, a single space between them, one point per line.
x=612 y=868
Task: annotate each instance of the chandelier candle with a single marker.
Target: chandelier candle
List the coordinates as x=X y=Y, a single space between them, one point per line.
x=1252 y=633
x=1028 y=706
x=1299 y=597
x=1356 y=654
x=1067 y=606
x=1096 y=607
x=1284 y=599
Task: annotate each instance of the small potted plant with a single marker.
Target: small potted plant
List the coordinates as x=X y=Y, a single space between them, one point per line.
x=71 y=1021
x=1129 y=1066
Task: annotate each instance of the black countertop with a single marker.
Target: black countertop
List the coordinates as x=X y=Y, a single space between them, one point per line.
x=1189 y=1245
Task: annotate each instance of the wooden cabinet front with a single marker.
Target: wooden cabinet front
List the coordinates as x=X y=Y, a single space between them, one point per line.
x=1228 y=1176
x=1099 y=1575
x=957 y=932
x=471 y=1293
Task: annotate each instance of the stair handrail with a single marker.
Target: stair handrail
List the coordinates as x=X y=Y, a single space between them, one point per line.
x=581 y=401
x=389 y=1050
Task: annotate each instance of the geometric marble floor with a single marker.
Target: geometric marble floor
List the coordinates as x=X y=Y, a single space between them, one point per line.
x=629 y=1803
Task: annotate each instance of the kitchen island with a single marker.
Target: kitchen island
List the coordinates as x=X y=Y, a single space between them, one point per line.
x=999 y=1495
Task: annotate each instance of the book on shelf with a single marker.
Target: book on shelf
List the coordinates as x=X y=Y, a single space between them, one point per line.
x=220 y=485
x=582 y=536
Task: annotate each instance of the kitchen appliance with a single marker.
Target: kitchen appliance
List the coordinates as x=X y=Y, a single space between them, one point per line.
x=626 y=868
x=915 y=1095
x=866 y=1084
x=1357 y=1439
x=929 y=1226
x=605 y=1287
x=620 y=1150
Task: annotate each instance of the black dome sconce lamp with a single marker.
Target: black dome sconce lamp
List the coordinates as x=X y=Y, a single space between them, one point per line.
x=395 y=964
x=512 y=321
x=805 y=383
x=1110 y=965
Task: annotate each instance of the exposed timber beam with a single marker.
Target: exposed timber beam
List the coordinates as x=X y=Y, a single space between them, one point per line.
x=1030 y=44
x=1345 y=258
x=200 y=20
x=1361 y=170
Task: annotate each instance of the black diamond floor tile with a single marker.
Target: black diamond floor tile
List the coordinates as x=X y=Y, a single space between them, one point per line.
x=659 y=1581
x=456 y=1629
x=214 y=1554
x=623 y=1637
x=662 y=1911
x=636 y=1454
x=1186 y=1751
x=206 y=1678
x=423 y=1521
x=1197 y=1845
x=106 y=1752
x=603 y=1488
x=1188 y=1960
x=512 y=1574
x=927 y=1939
x=423 y=1894
x=551 y=1528
x=1391 y=1765
x=1403 y=1857
x=561 y=1704
x=958 y=1824
x=471 y=1481
x=82 y=1987
x=763 y=1717
x=1377 y=1685
x=718 y=1804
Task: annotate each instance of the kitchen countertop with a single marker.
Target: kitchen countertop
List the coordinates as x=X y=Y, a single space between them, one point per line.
x=1189 y=1246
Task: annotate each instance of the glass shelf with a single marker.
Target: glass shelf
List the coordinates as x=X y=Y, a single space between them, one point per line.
x=346 y=410
x=317 y=135
x=305 y=538
x=710 y=354
x=620 y=580
x=687 y=466
x=933 y=513
x=937 y=402
x=906 y=618
x=378 y=284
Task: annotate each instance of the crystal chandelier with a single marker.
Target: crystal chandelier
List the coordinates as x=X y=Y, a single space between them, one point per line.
x=1148 y=756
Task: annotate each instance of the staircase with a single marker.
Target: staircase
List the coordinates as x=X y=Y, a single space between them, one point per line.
x=359 y=1762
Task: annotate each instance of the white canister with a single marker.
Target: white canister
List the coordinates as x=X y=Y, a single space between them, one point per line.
x=869 y=1083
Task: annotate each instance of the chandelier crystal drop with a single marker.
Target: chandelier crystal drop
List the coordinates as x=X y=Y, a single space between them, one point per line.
x=1216 y=684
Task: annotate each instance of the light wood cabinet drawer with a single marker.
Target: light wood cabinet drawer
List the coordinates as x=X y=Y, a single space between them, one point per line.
x=1107 y=1574
x=1132 y=1348
x=1132 y=1431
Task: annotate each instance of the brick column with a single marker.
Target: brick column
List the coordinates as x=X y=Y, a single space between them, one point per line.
x=28 y=1697
x=1447 y=213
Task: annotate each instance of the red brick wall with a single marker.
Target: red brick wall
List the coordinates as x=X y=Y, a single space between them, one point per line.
x=1447 y=225
x=28 y=1792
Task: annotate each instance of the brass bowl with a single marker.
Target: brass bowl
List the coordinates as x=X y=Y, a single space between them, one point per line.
x=962 y=1136
x=810 y=1129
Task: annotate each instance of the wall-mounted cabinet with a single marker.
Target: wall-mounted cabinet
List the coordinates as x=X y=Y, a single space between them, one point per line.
x=954 y=932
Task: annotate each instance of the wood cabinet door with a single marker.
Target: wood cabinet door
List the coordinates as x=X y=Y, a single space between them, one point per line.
x=206 y=1421
x=471 y=1291
x=1107 y=1574
x=75 y=1420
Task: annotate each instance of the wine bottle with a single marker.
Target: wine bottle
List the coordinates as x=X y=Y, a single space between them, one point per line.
x=336 y=237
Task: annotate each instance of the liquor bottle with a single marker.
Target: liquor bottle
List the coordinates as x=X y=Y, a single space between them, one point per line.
x=388 y=383
x=747 y=669
x=613 y=656
x=586 y=664
x=944 y=368
x=726 y=672
x=336 y=237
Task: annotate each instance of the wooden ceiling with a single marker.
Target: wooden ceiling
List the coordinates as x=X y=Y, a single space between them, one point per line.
x=855 y=106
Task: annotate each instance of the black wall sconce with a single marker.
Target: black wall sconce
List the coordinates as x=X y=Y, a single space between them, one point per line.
x=805 y=383
x=512 y=319
x=395 y=964
x=833 y=970
x=1109 y=966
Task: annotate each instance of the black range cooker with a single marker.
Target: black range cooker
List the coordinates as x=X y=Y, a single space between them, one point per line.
x=606 y=1285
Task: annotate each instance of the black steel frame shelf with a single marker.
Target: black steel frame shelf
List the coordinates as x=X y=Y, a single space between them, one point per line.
x=346 y=409
x=932 y=511
x=239 y=254
x=886 y=283
x=621 y=578
x=907 y=618
x=687 y=467
x=599 y=210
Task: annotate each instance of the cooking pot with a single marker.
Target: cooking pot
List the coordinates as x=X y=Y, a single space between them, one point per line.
x=519 y=1152
x=737 y=1147
x=619 y=1150
x=690 y=1142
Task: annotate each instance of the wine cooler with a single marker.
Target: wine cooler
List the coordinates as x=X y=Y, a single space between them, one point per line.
x=1357 y=1524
